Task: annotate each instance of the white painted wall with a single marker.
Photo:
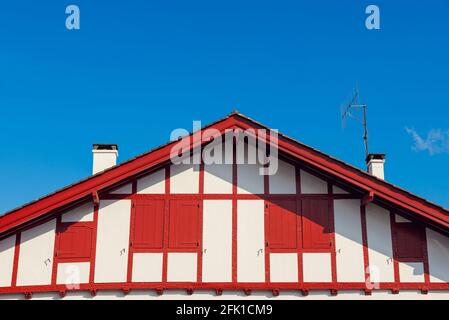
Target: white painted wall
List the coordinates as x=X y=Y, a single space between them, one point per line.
x=217 y=241
x=36 y=254
x=182 y=267
x=284 y=181
x=82 y=213
x=438 y=253
x=337 y=190
x=111 y=261
x=7 y=248
x=249 y=181
x=147 y=267
x=312 y=185
x=153 y=183
x=250 y=241
x=283 y=267
x=73 y=273
x=400 y=219
x=317 y=267
x=218 y=178
x=380 y=248
x=218 y=175
x=126 y=189
x=411 y=272
x=184 y=178
x=348 y=241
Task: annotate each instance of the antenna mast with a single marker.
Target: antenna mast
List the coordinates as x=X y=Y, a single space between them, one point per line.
x=346 y=112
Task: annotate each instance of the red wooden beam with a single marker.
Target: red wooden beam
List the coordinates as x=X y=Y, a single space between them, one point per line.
x=368 y=198
x=314 y=158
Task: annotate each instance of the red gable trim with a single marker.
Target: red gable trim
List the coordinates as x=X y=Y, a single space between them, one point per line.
x=287 y=145
x=372 y=185
x=97 y=182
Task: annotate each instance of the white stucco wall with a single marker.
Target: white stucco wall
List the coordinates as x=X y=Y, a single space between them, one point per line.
x=438 y=252
x=217 y=241
x=348 y=241
x=7 y=249
x=111 y=262
x=82 y=213
x=36 y=254
x=380 y=248
x=250 y=239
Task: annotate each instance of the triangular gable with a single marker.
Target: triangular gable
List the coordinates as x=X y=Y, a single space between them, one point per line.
x=372 y=187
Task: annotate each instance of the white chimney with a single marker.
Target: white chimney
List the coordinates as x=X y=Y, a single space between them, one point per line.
x=104 y=157
x=375 y=163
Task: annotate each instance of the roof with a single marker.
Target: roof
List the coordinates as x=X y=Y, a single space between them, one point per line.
x=369 y=184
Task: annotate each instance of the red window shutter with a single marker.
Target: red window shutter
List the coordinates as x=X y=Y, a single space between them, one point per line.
x=75 y=241
x=409 y=241
x=183 y=225
x=148 y=224
x=316 y=226
x=282 y=232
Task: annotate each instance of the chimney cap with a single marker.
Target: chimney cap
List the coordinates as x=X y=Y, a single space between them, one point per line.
x=375 y=156
x=103 y=146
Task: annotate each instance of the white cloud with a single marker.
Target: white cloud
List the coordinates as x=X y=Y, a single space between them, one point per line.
x=437 y=141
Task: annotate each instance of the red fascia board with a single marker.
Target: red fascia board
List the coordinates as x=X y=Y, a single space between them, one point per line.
x=96 y=183
x=148 y=160
x=367 y=184
x=358 y=178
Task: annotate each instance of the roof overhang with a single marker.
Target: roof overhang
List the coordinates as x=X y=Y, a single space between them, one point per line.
x=371 y=186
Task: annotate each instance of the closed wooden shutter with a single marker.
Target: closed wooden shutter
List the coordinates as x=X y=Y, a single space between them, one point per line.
x=409 y=241
x=148 y=224
x=184 y=224
x=316 y=224
x=74 y=241
x=282 y=232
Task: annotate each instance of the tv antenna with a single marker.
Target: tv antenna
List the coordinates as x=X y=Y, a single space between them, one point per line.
x=347 y=112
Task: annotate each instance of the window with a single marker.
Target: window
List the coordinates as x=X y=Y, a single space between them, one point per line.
x=183 y=225
x=316 y=226
x=282 y=232
x=409 y=241
x=74 y=241
x=148 y=224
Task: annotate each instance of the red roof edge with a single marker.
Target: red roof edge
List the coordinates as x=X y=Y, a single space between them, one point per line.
x=317 y=159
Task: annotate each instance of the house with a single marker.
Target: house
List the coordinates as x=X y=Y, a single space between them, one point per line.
x=152 y=229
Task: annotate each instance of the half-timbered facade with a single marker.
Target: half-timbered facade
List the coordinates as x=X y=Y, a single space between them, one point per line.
x=148 y=228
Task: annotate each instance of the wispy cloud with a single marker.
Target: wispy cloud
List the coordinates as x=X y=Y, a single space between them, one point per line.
x=437 y=141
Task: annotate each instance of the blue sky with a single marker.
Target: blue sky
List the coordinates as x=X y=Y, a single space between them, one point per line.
x=137 y=70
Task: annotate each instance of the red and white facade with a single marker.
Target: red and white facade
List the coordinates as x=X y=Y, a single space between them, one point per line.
x=149 y=229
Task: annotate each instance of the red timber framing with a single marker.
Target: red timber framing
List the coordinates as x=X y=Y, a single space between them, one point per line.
x=333 y=171
x=366 y=264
